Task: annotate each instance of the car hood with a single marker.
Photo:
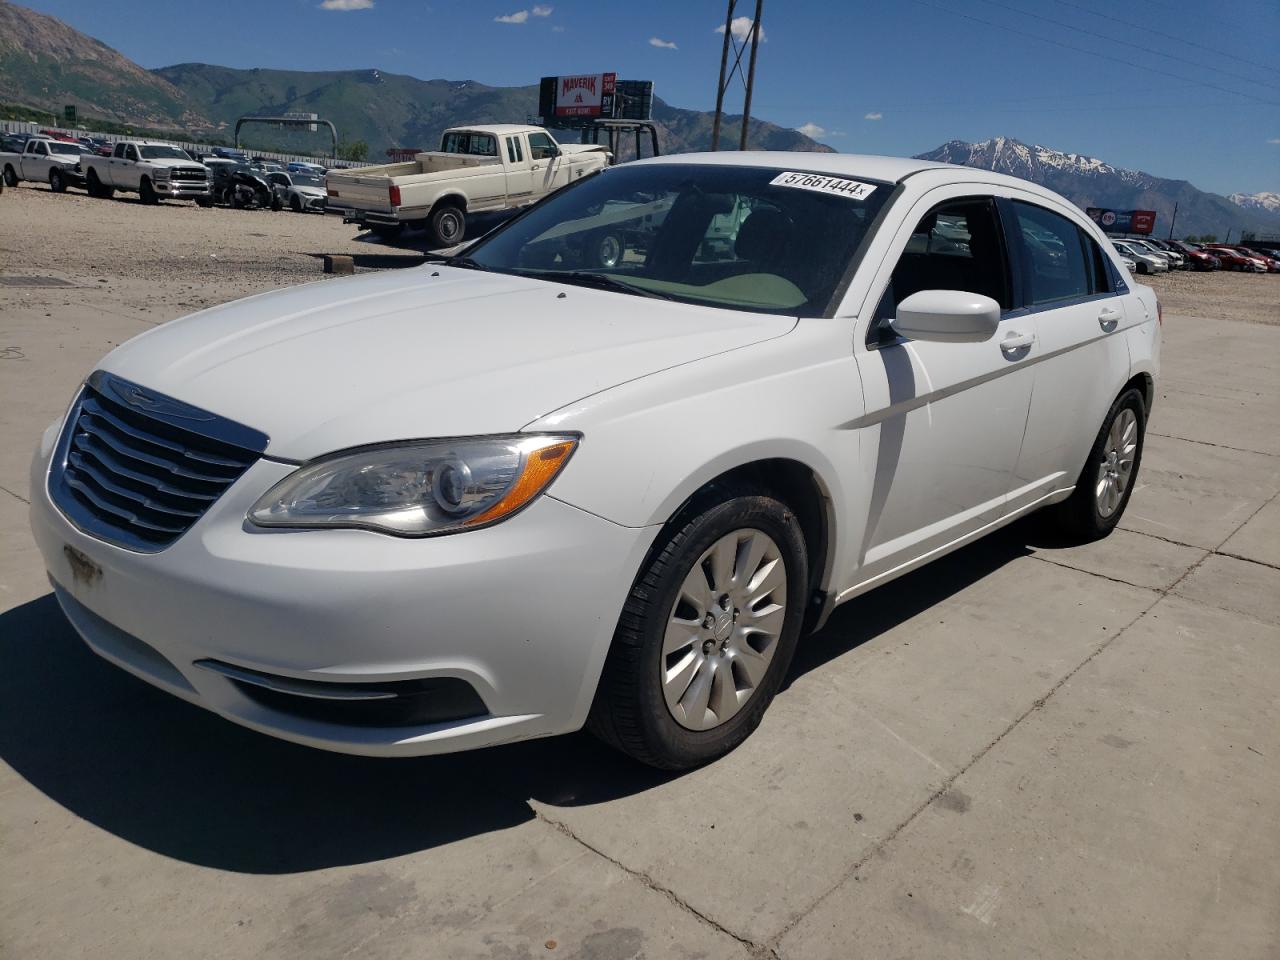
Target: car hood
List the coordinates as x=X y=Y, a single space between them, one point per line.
x=310 y=191
x=171 y=162
x=425 y=352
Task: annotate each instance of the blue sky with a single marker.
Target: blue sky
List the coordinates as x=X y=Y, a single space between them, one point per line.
x=1179 y=89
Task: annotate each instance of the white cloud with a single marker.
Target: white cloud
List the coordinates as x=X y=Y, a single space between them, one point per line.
x=811 y=130
x=557 y=29
x=874 y=115
x=663 y=44
x=741 y=29
x=347 y=5
x=1274 y=140
x=520 y=16
x=542 y=11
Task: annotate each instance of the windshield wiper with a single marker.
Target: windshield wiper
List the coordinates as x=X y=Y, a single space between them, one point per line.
x=464 y=262
x=602 y=281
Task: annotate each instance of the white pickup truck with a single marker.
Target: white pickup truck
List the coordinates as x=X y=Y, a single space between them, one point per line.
x=152 y=170
x=477 y=169
x=44 y=160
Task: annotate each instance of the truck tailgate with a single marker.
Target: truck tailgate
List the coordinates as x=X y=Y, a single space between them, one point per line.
x=358 y=192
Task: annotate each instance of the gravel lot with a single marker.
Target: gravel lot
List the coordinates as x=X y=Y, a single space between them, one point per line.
x=1022 y=750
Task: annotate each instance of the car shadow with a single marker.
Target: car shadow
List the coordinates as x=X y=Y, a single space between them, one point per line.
x=175 y=779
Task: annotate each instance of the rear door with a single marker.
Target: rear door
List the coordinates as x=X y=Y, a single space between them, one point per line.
x=943 y=421
x=520 y=189
x=1079 y=302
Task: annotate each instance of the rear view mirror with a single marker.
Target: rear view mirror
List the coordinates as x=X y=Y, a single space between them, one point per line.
x=947 y=316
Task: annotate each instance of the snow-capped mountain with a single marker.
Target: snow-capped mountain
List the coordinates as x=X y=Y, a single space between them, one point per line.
x=1090 y=182
x=1257 y=201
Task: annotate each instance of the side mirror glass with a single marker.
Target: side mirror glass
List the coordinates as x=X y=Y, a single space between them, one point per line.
x=947 y=316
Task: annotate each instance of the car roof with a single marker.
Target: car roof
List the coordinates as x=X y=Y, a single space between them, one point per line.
x=868 y=166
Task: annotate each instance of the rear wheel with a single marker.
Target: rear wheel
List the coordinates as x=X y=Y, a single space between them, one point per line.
x=57 y=181
x=10 y=176
x=707 y=633
x=606 y=249
x=1107 y=480
x=447 y=225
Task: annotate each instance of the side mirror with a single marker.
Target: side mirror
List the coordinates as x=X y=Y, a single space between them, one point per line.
x=947 y=316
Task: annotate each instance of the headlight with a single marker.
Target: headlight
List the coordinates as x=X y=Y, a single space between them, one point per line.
x=418 y=489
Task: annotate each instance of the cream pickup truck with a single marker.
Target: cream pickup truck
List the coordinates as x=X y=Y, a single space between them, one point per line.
x=477 y=169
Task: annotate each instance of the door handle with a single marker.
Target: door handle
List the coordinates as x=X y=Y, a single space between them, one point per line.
x=1016 y=341
x=1108 y=319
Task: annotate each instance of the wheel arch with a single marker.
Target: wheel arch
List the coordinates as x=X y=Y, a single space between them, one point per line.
x=803 y=490
x=452 y=199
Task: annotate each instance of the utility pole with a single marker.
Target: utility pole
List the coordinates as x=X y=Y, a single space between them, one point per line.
x=724 y=60
x=751 y=74
x=1174 y=220
x=727 y=71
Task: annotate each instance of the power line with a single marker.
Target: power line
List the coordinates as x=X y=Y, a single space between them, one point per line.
x=1094 y=53
x=1168 y=36
x=1154 y=52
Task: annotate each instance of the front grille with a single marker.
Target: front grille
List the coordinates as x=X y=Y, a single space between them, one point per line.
x=138 y=469
x=187 y=173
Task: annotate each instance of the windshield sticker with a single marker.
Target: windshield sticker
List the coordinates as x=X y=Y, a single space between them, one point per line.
x=849 y=189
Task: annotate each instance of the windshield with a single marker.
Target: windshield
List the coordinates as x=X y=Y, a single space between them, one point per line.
x=70 y=149
x=743 y=238
x=306 y=180
x=162 y=153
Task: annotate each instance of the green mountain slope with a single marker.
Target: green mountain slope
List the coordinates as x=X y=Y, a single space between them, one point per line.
x=46 y=64
x=393 y=110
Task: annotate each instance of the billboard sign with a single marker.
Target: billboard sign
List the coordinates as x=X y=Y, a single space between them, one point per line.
x=1123 y=221
x=584 y=96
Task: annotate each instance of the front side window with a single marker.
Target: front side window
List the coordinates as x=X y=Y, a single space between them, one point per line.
x=1053 y=257
x=130 y=153
x=957 y=245
x=541 y=147
x=40 y=148
x=716 y=235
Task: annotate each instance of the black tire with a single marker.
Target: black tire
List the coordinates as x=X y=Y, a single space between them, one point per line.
x=447 y=225
x=1079 y=518
x=630 y=711
x=295 y=204
x=10 y=176
x=276 y=203
x=57 y=181
x=147 y=192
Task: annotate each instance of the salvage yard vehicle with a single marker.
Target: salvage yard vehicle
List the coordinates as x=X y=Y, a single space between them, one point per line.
x=238 y=185
x=300 y=191
x=477 y=169
x=499 y=497
x=45 y=160
x=1233 y=259
x=1147 y=261
x=154 y=171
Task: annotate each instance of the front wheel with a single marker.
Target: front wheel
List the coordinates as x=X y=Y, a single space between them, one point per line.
x=57 y=182
x=706 y=634
x=447 y=225
x=295 y=204
x=148 y=193
x=1107 y=480
x=606 y=250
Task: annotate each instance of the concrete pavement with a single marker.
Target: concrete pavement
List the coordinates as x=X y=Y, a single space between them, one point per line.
x=1022 y=750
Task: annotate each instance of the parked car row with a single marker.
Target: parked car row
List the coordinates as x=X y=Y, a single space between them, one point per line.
x=1148 y=255
x=161 y=171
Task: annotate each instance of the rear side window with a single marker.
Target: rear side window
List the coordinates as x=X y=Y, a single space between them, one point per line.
x=1095 y=261
x=474 y=144
x=1054 y=266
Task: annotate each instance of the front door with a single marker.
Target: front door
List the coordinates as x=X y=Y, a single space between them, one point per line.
x=943 y=421
x=550 y=172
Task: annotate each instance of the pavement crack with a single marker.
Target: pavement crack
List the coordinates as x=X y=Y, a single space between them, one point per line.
x=1094 y=573
x=757 y=951
x=1236 y=556
x=16 y=496
x=1209 y=443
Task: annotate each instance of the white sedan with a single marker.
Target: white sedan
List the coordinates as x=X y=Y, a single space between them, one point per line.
x=515 y=493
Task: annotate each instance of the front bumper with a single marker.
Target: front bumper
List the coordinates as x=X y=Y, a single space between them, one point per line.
x=522 y=612
x=182 y=188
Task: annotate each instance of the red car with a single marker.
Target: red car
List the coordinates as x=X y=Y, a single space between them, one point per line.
x=1197 y=257
x=1269 y=258
x=59 y=135
x=1233 y=259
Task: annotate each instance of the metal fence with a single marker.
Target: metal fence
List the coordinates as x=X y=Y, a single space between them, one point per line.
x=23 y=126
